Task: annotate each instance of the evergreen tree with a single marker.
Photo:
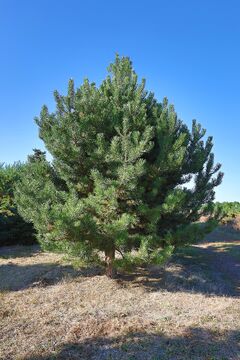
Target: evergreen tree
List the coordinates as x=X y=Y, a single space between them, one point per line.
x=13 y=229
x=120 y=169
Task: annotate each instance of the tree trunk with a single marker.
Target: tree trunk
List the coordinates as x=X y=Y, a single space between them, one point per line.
x=109 y=258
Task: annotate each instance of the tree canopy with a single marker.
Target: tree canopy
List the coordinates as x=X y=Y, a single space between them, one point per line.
x=120 y=172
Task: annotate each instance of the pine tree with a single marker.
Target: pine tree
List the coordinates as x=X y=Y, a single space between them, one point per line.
x=13 y=229
x=120 y=169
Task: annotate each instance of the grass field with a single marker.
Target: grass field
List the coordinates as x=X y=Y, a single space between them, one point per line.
x=190 y=309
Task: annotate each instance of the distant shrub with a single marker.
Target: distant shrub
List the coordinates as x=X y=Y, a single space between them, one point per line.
x=13 y=229
x=227 y=210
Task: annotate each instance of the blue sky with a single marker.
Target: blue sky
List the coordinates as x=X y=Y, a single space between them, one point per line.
x=187 y=50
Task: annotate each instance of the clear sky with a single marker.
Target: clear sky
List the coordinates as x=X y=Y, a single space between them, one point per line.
x=187 y=50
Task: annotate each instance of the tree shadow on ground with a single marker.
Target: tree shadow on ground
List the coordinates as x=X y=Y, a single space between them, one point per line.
x=12 y=252
x=193 y=343
x=192 y=269
x=232 y=248
x=222 y=233
x=211 y=270
x=15 y=277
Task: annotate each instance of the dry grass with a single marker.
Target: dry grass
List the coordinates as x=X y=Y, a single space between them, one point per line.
x=48 y=310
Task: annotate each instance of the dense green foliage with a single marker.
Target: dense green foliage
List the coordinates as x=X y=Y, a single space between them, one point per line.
x=226 y=210
x=121 y=166
x=13 y=229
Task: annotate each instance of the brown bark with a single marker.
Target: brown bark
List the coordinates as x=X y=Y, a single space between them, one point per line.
x=109 y=259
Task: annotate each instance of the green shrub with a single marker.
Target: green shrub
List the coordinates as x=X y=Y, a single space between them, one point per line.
x=13 y=229
x=227 y=210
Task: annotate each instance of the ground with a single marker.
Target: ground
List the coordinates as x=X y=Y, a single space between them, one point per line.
x=187 y=310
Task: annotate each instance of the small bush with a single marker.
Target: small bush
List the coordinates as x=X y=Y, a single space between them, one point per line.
x=227 y=210
x=13 y=229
